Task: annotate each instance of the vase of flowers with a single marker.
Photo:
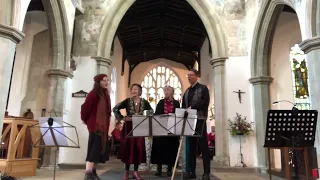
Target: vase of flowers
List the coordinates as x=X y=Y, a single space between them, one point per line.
x=240 y=126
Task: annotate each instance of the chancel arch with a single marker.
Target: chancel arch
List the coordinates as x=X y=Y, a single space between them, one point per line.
x=209 y=19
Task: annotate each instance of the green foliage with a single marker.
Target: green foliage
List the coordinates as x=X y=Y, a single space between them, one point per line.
x=240 y=126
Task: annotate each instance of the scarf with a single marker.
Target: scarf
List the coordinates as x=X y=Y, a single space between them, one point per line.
x=103 y=118
x=168 y=106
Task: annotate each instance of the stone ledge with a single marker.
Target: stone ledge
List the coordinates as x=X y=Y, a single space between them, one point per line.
x=218 y=61
x=59 y=72
x=310 y=44
x=11 y=33
x=221 y=161
x=102 y=61
x=261 y=80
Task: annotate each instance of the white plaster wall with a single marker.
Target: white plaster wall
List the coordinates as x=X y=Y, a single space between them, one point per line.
x=35 y=22
x=24 y=4
x=287 y=34
x=82 y=80
x=122 y=81
x=207 y=76
x=237 y=75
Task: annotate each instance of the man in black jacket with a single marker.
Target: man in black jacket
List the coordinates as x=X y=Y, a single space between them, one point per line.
x=197 y=97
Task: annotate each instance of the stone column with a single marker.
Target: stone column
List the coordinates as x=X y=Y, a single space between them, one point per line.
x=102 y=64
x=219 y=87
x=9 y=37
x=311 y=47
x=56 y=99
x=261 y=95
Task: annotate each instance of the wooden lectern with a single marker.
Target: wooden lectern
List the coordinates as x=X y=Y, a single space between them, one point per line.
x=18 y=158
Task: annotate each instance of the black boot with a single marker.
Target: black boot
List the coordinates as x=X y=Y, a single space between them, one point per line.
x=159 y=170
x=169 y=172
x=205 y=177
x=89 y=177
x=190 y=175
x=96 y=177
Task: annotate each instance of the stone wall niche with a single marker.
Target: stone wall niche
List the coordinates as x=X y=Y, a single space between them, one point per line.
x=40 y=63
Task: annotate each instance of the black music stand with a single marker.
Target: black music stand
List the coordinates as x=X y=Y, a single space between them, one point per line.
x=52 y=134
x=183 y=119
x=291 y=128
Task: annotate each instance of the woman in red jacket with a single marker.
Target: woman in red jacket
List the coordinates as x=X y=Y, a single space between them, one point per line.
x=95 y=113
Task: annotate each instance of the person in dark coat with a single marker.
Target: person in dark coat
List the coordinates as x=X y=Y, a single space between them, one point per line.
x=132 y=150
x=96 y=113
x=165 y=149
x=197 y=97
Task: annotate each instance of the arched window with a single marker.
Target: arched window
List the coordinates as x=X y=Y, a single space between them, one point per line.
x=154 y=82
x=113 y=85
x=300 y=78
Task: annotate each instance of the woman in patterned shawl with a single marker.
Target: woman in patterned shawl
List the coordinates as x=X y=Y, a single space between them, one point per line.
x=132 y=150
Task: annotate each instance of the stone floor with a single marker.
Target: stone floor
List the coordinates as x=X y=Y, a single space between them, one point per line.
x=113 y=171
x=111 y=174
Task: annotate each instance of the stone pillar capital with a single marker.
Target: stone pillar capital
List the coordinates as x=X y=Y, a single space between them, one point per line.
x=11 y=33
x=310 y=44
x=261 y=80
x=60 y=73
x=102 y=61
x=218 y=61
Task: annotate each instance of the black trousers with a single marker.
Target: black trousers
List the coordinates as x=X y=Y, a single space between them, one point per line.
x=204 y=148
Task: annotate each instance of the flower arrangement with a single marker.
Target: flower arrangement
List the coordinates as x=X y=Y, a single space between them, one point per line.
x=239 y=126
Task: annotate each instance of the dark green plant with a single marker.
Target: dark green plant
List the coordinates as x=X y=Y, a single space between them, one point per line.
x=240 y=126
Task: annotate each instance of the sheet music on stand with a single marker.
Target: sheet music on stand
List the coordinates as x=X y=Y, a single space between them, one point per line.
x=175 y=123
x=182 y=123
x=56 y=133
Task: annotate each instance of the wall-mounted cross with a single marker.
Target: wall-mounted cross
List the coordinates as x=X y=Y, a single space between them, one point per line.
x=239 y=92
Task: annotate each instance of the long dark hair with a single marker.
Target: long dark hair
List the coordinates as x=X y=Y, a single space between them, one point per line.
x=100 y=90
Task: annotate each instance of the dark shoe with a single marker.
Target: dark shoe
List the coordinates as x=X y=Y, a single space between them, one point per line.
x=96 y=177
x=158 y=174
x=191 y=175
x=89 y=177
x=205 y=177
x=159 y=171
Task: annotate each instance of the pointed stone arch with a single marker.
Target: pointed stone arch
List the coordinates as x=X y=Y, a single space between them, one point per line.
x=208 y=17
x=58 y=25
x=260 y=70
x=263 y=33
x=59 y=29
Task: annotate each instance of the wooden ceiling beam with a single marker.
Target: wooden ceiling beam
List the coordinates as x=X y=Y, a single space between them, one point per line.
x=159 y=48
x=163 y=23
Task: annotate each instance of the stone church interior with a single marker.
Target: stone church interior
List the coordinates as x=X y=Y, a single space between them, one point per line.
x=258 y=60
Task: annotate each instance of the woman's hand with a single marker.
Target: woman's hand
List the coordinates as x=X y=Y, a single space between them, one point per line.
x=128 y=118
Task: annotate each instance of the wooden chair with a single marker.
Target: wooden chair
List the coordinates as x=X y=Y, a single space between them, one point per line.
x=113 y=146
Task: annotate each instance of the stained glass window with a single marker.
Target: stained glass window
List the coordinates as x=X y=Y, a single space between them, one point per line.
x=156 y=80
x=300 y=79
